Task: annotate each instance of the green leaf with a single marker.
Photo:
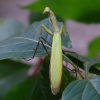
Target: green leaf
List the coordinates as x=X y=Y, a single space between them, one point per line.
x=87 y=89
x=84 y=11
x=93 y=48
x=36 y=16
x=22 y=44
x=9 y=28
x=69 y=75
x=20 y=91
x=11 y=74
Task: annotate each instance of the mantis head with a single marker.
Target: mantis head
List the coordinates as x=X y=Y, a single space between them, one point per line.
x=46 y=10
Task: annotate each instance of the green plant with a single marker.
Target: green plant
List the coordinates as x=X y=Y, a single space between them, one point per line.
x=14 y=81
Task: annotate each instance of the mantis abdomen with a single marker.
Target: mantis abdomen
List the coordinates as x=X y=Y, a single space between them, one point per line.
x=56 y=64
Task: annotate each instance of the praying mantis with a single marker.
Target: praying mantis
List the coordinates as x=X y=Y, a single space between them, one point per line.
x=56 y=52
x=56 y=65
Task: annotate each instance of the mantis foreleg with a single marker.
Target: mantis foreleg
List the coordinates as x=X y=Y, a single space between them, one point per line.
x=46 y=29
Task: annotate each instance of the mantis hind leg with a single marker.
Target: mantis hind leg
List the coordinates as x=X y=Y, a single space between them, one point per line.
x=73 y=70
x=69 y=70
x=72 y=52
